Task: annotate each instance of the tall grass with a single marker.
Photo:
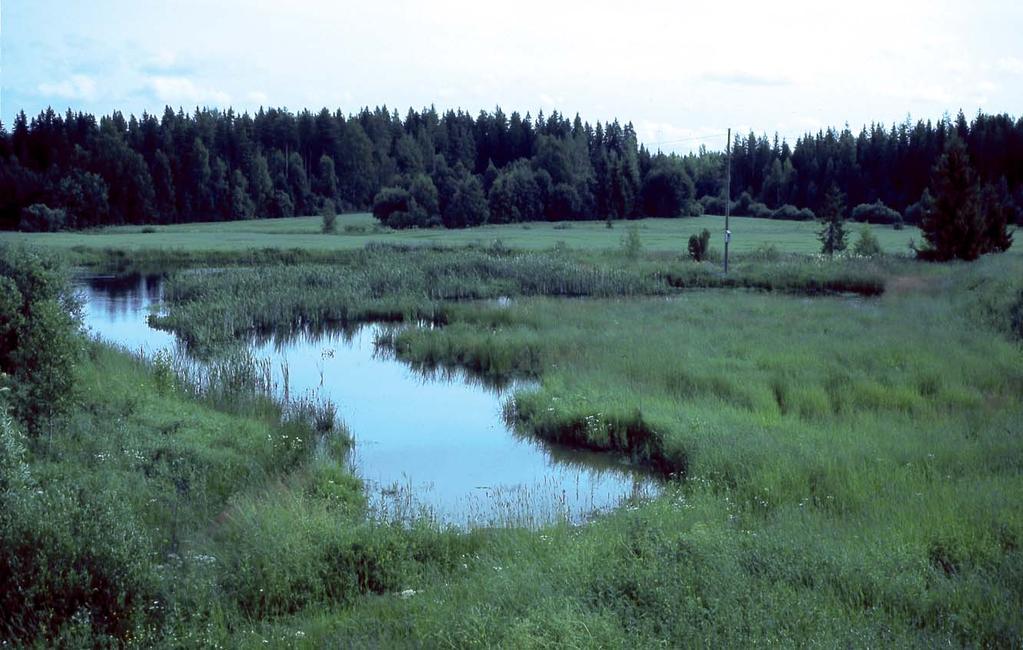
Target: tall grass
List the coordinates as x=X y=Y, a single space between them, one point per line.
x=412 y=284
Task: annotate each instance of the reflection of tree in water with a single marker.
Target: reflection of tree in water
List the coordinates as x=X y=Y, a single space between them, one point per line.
x=122 y=295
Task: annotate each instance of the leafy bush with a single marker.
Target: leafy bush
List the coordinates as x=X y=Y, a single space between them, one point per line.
x=760 y=211
x=417 y=203
x=468 y=206
x=713 y=204
x=395 y=207
x=14 y=472
x=70 y=558
x=328 y=215
x=915 y=211
x=876 y=212
x=787 y=211
x=866 y=244
x=39 y=345
x=698 y=245
x=40 y=218
x=631 y=244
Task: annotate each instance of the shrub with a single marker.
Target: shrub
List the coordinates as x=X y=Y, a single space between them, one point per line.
x=788 y=212
x=328 y=215
x=283 y=206
x=713 y=204
x=40 y=218
x=73 y=556
x=39 y=344
x=14 y=474
x=468 y=206
x=876 y=212
x=916 y=211
x=866 y=244
x=760 y=211
x=631 y=244
x=699 y=245
x=390 y=200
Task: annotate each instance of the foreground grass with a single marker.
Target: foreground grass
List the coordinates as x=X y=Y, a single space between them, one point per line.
x=357 y=230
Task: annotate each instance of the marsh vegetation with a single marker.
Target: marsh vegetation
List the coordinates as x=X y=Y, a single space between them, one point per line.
x=840 y=440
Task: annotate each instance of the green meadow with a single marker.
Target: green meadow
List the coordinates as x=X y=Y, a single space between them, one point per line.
x=357 y=230
x=841 y=441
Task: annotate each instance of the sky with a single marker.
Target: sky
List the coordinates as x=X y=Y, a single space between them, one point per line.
x=681 y=72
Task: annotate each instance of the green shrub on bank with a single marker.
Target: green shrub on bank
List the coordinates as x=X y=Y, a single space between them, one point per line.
x=70 y=559
x=39 y=343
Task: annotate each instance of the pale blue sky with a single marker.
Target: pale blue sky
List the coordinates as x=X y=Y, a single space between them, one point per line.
x=676 y=70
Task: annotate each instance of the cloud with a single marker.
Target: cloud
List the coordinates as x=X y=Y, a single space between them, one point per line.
x=76 y=87
x=742 y=78
x=1010 y=65
x=182 y=90
x=257 y=97
x=165 y=63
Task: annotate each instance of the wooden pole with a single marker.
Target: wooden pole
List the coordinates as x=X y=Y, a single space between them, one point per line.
x=728 y=194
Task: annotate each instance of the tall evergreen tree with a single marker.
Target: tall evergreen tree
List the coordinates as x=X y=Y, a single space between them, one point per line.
x=954 y=226
x=832 y=218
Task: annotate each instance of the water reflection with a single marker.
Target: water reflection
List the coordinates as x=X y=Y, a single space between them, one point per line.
x=430 y=443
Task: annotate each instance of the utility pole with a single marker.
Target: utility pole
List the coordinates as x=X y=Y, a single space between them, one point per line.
x=728 y=194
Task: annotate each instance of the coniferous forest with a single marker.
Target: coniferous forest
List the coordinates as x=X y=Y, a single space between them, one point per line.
x=75 y=171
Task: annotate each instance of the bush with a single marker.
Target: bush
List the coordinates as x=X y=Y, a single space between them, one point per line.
x=760 y=211
x=916 y=211
x=866 y=244
x=713 y=204
x=39 y=343
x=876 y=212
x=71 y=557
x=390 y=200
x=788 y=212
x=328 y=215
x=40 y=218
x=699 y=245
x=631 y=244
x=282 y=206
x=468 y=206
x=14 y=474
x=397 y=208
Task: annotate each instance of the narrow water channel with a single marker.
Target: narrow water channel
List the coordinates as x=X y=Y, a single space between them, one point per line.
x=434 y=445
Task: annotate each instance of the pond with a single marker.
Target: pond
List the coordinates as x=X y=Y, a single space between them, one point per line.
x=433 y=445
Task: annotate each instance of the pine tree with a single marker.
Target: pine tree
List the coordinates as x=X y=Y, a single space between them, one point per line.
x=954 y=226
x=832 y=218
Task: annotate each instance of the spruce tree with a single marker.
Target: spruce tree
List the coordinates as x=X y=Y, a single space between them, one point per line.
x=961 y=223
x=832 y=218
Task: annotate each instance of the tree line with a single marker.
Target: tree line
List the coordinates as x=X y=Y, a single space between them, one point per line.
x=455 y=170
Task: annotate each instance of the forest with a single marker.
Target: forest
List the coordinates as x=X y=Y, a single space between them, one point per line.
x=75 y=171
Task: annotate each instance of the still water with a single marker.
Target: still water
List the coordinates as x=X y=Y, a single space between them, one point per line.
x=435 y=445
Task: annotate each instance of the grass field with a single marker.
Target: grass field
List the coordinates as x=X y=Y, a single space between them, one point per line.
x=847 y=467
x=356 y=230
